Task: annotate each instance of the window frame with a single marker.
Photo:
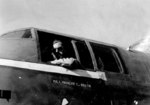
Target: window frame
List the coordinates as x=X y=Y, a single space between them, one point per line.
x=118 y=61
x=36 y=37
x=75 y=50
x=92 y=56
x=58 y=36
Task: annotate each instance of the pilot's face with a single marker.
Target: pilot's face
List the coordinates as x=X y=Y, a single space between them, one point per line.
x=58 y=48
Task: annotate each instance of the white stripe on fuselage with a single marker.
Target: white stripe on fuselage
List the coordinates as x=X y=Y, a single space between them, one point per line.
x=52 y=69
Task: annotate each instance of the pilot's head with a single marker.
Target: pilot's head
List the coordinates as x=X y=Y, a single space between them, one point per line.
x=58 y=47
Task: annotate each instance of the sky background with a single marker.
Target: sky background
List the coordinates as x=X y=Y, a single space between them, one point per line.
x=119 y=22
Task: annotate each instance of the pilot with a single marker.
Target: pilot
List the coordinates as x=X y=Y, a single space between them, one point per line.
x=61 y=57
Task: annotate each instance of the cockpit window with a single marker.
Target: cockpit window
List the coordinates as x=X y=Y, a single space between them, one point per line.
x=105 y=58
x=46 y=41
x=18 y=34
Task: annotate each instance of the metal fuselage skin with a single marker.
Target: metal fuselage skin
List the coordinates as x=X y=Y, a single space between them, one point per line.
x=25 y=80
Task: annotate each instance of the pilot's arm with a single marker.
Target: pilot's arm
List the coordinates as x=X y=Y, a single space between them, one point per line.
x=63 y=62
x=70 y=63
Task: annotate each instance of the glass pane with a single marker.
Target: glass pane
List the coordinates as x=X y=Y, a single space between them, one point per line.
x=85 y=57
x=105 y=58
x=18 y=34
